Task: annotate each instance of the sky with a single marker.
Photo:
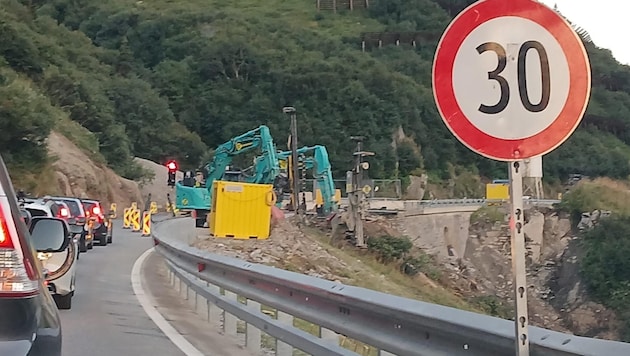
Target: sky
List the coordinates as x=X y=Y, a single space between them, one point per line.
x=606 y=22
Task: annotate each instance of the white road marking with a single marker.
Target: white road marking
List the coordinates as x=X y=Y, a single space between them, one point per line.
x=148 y=305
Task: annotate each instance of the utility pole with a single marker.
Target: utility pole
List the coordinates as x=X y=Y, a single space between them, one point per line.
x=356 y=195
x=293 y=163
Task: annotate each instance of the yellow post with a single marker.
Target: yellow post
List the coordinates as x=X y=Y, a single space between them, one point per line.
x=136 y=220
x=127 y=218
x=134 y=205
x=154 y=208
x=112 y=210
x=146 y=223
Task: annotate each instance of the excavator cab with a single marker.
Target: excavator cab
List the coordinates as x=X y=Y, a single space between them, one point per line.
x=233 y=176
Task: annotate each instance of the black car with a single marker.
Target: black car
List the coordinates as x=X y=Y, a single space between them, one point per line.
x=76 y=220
x=94 y=212
x=30 y=323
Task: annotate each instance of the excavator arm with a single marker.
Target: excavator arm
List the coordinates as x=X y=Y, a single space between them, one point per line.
x=200 y=198
x=322 y=172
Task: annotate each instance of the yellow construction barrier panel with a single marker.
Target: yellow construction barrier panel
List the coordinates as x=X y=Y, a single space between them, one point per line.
x=127 y=218
x=135 y=220
x=146 y=223
x=112 y=210
x=154 y=208
x=241 y=210
x=497 y=191
x=172 y=208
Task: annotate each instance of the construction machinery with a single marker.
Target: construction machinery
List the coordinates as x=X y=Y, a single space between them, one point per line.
x=197 y=198
x=315 y=158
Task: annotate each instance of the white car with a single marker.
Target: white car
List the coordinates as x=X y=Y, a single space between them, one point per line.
x=61 y=266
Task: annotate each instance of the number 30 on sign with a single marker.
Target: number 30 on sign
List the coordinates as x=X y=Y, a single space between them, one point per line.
x=511 y=79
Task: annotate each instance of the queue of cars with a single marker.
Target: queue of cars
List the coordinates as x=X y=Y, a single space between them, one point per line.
x=40 y=241
x=86 y=224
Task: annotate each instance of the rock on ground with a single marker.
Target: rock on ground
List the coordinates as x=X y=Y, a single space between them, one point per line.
x=287 y=248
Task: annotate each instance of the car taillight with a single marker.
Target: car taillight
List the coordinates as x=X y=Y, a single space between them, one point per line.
x=96 y=210
x=18 y=278
x=64 y=213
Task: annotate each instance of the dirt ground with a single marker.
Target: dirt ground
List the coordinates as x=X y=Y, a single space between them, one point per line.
x=306 y=249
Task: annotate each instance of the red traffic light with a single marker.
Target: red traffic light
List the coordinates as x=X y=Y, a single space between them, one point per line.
x=172 y=166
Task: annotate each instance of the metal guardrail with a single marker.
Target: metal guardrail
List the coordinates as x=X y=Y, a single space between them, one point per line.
x=485 y=201
x=392 y=324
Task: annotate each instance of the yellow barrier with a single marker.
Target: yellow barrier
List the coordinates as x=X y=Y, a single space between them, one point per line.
x=146 y=223
x=127 y=218
x=112 y=210
x=241 y=210
x=134 y=205
x=154 y=208
x=172 y=208
x=135 y=220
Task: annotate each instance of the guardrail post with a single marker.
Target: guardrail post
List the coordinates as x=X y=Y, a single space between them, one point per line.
x=201 y=306
x=329 y=335
x=214 y=312
x=252 y=334
x=284 y=349
x=229 y=320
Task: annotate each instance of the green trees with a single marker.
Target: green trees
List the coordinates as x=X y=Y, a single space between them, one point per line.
x=605 y=267
x=172 y=79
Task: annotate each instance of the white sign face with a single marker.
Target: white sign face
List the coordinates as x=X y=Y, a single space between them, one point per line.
x=511 y=78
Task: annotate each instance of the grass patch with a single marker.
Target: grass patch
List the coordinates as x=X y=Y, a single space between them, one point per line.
x=366 y=271
x=493 y=305
x=598 y=194
x=488 y=215
x=35 y=181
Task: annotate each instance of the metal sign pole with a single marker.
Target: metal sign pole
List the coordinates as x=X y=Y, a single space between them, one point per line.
x=517 y=222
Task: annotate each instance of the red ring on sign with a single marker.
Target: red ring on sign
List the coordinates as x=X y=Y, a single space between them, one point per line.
x=579 y=76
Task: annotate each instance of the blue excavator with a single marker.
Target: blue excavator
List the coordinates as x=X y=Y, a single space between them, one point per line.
x=318 y=161
x=190 y=195
x=266 y=169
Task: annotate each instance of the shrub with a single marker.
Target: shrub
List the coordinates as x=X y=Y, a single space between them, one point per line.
x=389 y=248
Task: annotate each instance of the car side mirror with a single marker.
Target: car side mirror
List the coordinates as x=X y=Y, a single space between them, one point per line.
x=26 y=216
x=49 y=234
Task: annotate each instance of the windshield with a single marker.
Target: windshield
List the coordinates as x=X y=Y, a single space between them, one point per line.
x=37 y=212
x=74 y=207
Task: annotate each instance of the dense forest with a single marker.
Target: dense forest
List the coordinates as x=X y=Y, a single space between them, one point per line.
x=173 y=79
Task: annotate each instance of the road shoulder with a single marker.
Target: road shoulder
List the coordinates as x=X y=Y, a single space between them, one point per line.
x=206 y=337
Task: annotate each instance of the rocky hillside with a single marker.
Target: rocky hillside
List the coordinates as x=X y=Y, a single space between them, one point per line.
x=558 y=298
x=77 y=175
x=73 y=172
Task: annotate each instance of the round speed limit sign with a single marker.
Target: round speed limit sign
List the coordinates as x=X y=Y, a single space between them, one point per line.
x=511 y=79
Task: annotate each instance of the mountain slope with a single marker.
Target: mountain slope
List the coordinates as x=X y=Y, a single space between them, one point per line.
x=166 y=79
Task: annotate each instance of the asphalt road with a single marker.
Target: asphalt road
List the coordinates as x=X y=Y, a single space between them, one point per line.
x=106 y=317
